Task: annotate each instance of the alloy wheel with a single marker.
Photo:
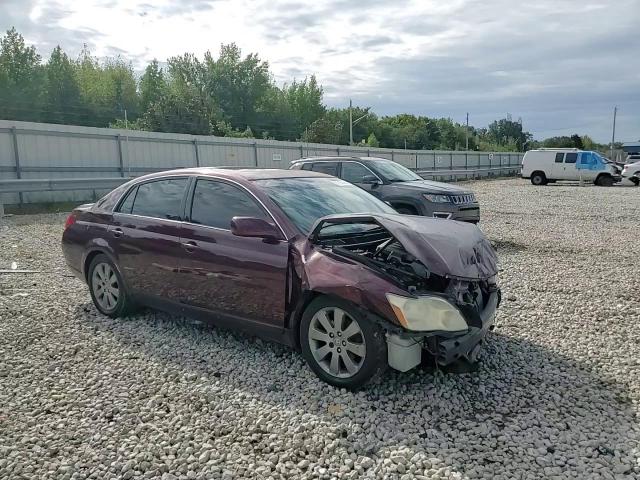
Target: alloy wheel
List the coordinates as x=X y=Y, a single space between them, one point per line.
x=106 y=288
x=337 y=342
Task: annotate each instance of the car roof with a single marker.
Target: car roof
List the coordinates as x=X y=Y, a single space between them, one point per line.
x=338 y=159
x=241 y=173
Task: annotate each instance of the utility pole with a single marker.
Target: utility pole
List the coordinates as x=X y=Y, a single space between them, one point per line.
x=613 y=135
x=353 y=122
x=350 y=122
x=466 y=134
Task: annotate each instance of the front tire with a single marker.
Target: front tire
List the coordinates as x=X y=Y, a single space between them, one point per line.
x=340 y=344
x=604 y=181
x=406 y=210
x=107 y=289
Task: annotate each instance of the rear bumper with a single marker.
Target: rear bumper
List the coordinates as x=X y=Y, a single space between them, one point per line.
x=448 y=350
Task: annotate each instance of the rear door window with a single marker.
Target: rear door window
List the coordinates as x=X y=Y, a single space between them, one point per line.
x=559 y=157
x=354 y=172
x=570 y=158
x=215 y=203
x=160 y=199
x=330 y=168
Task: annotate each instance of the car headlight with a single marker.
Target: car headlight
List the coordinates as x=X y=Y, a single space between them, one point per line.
x=437 y=198
x=427 y=314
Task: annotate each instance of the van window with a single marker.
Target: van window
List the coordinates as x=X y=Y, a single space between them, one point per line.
x=571 y=158
x=587 y=158
x=559 y=157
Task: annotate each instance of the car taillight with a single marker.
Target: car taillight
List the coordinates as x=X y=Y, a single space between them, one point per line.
x=71 y=219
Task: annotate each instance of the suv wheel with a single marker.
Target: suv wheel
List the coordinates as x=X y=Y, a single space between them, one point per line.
x=340 y=345
x=538 y=178
x=107 y=289
x=406 y=210
x=604 y=181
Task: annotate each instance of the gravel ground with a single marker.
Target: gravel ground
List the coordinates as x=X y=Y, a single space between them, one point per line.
x=557 y=394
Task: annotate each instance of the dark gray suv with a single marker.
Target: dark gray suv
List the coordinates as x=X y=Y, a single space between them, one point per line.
x=407 y=192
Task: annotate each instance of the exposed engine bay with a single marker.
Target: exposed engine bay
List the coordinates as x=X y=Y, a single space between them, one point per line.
x=448 y=268
x=381 y=251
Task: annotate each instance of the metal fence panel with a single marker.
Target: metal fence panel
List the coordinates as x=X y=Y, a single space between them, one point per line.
x=47 y=151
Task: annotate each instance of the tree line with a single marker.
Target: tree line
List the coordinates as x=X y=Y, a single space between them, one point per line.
x=226 y=95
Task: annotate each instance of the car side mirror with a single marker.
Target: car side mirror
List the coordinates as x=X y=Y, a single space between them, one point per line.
x=254 y=227
x=371 y=180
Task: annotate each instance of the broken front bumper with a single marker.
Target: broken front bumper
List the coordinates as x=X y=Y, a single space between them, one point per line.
x=467 y=346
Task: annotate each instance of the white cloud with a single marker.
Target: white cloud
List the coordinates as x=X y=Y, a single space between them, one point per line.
x=559 y=64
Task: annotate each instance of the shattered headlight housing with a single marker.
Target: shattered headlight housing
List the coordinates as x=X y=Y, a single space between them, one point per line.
x=437 y=198
x=427 y=314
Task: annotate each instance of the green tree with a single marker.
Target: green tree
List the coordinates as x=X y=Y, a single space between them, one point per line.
x=417 y=133
x=63 y=102
x=327 y=129
x=107 y=90
x=184 y=105
x=274 y=117
x=372 y=141
x=305 y=102
x=506 y=131
x=21 y=79
x=238 y=84
x=152 y=86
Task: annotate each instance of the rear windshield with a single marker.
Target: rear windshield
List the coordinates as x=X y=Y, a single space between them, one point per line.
x=305 y=200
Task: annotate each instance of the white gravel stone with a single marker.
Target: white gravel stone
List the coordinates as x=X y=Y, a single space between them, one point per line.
x=556 y=395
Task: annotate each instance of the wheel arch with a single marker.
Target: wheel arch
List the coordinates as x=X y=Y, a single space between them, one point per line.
x=406 y=202
x=310 y=295
x=602 y=175
x=92 y=253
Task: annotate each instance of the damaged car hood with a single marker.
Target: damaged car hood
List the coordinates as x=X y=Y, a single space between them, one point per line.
x=445 y=247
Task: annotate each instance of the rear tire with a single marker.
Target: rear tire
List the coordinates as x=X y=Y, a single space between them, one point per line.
x=538 y=178
x=342 y=347
x=604 y=181
x=107 y=289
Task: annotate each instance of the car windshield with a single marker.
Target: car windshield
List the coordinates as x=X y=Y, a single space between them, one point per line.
x=393 y=172
x=305 y=200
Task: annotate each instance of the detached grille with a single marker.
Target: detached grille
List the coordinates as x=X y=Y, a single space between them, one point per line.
x=463 y=199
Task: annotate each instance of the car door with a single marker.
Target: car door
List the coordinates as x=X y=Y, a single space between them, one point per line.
x=233 y=277
x=354 y=172
x=570 y=170
x=145 y=235
x=557 y=170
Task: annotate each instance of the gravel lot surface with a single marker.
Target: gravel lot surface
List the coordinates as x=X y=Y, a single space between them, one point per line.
x=557 y=394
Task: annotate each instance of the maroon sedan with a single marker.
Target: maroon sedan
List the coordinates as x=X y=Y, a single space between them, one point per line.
x=296 y=256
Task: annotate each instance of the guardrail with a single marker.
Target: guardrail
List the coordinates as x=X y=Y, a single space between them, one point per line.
x=57 y=185
x=25 y=185
x=465 y=172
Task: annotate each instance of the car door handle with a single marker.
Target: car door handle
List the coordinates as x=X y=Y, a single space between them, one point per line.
x=117 y=232
x=189 y=246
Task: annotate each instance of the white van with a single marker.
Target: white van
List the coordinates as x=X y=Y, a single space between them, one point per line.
x=548 y=165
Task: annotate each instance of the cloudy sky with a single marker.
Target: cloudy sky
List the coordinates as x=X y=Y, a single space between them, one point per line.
x=561 y=65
